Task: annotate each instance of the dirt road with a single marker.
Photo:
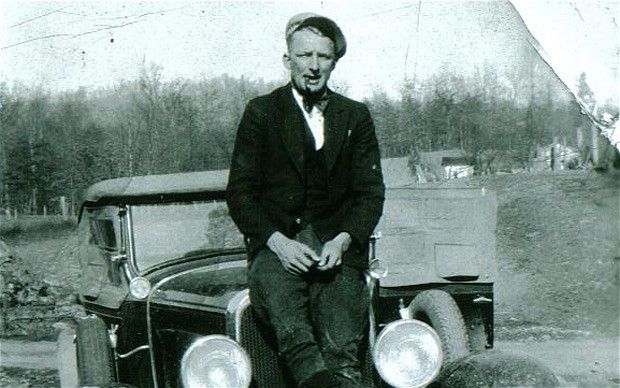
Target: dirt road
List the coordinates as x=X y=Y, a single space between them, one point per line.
x=582 y=362
x=577 y=362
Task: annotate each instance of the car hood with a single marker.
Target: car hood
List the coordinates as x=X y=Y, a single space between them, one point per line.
x=211 y=286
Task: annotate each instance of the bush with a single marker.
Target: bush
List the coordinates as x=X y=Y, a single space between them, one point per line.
x=21 y=288
x=30 y=305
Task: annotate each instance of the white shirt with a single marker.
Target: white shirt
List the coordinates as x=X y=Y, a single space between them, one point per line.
x=314 y=119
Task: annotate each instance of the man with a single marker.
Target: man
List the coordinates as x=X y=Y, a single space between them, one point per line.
x=306 y=190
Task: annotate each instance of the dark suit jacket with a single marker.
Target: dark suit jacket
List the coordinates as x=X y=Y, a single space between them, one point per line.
x=266 y=184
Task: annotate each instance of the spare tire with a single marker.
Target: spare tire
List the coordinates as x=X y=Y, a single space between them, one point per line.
x=94 y=353
x=440 y=311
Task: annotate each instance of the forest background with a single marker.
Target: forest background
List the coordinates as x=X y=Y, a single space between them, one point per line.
x=55 y=145
x=90 y=91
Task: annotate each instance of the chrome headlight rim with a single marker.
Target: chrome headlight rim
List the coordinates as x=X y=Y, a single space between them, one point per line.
x=390 y=329
x=246 y=367
x=139 y=287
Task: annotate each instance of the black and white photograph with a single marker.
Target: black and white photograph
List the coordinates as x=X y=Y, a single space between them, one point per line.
x=312 y=194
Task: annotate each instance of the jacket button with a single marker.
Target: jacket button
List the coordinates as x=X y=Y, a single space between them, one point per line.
x=298 y=221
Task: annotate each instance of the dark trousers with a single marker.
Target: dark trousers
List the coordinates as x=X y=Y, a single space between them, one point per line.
x=319 y=318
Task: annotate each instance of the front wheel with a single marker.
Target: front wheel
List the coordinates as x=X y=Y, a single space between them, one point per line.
x=94 y=354
x=440 y=311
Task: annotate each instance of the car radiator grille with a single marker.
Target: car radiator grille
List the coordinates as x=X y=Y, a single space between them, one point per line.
x=267 y=369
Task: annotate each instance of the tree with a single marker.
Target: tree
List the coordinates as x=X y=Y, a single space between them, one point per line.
x=385 y=116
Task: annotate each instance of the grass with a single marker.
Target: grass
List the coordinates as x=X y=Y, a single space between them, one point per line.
x=558 y=248
x=39 y=226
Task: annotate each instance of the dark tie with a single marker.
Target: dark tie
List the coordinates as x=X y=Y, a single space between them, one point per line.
x=320 y=102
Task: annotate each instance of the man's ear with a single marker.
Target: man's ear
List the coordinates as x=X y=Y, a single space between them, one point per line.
x=286 y=60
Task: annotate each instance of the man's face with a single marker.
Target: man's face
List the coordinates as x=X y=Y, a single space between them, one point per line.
x=310 y=59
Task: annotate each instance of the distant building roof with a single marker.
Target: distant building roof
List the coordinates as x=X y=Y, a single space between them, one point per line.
x=454 y=161
x=436 y=157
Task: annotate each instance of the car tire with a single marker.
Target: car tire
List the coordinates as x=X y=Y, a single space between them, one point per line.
x=475 y=329
x=440 y=311
x=94 y=354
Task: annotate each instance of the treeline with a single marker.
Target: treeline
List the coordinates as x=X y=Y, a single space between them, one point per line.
x=492 y=121
x=54 y=146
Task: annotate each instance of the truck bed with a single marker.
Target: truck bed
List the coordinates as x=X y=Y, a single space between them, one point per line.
x=438 y=235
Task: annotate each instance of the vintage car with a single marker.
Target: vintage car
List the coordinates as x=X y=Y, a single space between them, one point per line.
x=164 y=287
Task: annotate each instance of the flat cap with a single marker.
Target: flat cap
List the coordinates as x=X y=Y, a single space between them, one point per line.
x=328 y=27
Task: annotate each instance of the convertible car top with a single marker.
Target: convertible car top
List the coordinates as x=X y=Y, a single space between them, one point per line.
x=138 y=189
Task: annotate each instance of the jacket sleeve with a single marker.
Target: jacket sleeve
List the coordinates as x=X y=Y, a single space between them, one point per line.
x=367 y=187
x=245 y=177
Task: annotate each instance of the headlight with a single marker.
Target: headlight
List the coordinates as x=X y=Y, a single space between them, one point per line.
x=215 y=361
x=407 y=353
x=139 y=287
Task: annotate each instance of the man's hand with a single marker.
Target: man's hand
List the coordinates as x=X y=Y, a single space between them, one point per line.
x=331 y=256
x=295 y=257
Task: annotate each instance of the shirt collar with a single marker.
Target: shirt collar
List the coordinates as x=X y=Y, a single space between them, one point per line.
x=320 y=103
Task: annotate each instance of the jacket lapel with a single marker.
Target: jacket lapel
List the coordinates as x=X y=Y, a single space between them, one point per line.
x=335 y=131
x=292 y=128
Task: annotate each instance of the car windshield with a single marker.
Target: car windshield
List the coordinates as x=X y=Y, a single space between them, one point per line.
x=164 y=232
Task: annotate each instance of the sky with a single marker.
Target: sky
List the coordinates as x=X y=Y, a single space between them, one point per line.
x=66 y=45
x=578 y=36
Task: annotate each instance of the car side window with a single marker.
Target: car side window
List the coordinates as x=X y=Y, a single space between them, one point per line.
x=103 y=241
x=103 y=233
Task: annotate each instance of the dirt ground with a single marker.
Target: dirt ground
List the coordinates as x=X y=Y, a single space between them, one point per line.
x=556 y=297
x=580 y=362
